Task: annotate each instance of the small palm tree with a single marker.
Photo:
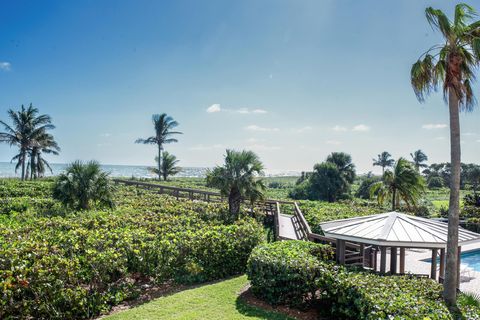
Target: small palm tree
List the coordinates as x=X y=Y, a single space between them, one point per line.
x=403 y=183
x=238 y=179
x=168 y=167
x=27 y=125
x=418 y=159
x=83 y=185
x=384 y=160
x=451 y=64
x=163 y=125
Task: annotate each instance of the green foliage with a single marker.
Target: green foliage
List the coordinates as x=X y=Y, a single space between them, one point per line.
x=403 y=183
x=293 y=273
x=286 y=272
x=238 y=179
x=78 y=266
x=168 y=166
x=316 y=212
x=83 y=185
x=363 y=191
x=435 y=183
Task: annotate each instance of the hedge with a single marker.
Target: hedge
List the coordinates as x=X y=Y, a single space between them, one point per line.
x=295 y=274
x=81 y=264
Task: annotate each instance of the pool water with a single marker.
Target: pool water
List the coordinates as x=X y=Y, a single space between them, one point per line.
x=472 y=259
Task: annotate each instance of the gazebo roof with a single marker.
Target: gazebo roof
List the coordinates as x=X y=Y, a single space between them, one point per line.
x=395 y=229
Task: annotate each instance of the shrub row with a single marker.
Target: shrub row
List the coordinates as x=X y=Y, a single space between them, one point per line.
x=299 y=274
x=80 y=265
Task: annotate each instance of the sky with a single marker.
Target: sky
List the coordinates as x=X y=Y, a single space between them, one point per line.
x=291 y=80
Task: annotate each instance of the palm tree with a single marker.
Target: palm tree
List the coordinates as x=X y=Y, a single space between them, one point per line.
x=451 y=64
x=169 y=166
x=346 y=168
x=403 y=183
x=238 y=179
x=44 y=143
x=27 y=125
x=83 y=185
x=163 y=125
x=384 y=160
x=419 y=157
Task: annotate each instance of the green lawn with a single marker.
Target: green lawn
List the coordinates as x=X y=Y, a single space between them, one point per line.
x=214 y=301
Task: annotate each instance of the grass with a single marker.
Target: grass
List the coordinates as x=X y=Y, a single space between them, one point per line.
x=214 y=301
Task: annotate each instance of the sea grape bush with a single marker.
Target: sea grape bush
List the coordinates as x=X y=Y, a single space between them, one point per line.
x=80 y=264
x=298 y=273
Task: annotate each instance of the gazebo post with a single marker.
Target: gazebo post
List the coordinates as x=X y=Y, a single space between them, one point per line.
x=393 y=260
x=441 y=275
x=383 y=259
x=341 y=251
x=433 y=266
x=402 y=260
x=459 y=262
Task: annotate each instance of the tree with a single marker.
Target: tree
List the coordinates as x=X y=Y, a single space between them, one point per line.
x=27 y=126
x=163 y=125
x=43 y=143
x=418 y=159
x=327 y=181
x=384 y=160
x=238 y=179
x=169 y=166
x=451 y=64
x=346 y=168
x=83 y=185
x=403 y=183
x=473 y=175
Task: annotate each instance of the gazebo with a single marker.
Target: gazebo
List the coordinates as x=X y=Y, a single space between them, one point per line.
x=396 y=231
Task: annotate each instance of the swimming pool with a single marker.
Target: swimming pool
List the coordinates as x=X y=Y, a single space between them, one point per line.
x=472 y=259
x=469 y=258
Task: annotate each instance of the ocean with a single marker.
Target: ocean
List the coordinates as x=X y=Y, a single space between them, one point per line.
x=7 y=170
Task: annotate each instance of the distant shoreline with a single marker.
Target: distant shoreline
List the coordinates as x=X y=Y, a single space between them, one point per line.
x=7 y=170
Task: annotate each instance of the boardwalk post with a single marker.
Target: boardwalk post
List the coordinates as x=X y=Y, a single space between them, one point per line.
x=341 y=251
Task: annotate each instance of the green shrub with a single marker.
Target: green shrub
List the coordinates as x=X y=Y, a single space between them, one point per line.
x=297 y=273
x=435 y=183
x=286 y=272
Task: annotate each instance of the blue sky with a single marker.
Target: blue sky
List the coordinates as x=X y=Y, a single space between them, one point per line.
x=291 y=80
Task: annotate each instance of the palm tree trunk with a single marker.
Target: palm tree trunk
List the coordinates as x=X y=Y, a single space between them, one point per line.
x=23 y=164
x=394 y=196
x=159 y=162
x=234 y=203
x=451 y=281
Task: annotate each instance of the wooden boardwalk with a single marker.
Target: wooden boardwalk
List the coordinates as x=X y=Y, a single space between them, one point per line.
x=287 y=227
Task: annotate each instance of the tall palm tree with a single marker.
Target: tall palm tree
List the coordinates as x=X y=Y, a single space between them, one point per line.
x=238 y=179
x=43 y=144
x=345 y=166
x=452 y=65
x=418 y=159
x=27 y=125
x=384 y=160
x=403 y=183
x=169 y=166
x=163 y=125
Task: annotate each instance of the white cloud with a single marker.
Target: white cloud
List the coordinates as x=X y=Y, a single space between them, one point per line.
x=431 y=126
x=254 y=140
x=201 y=147
x=333 y=142
x=5 y=66
x=361 y=128
x=254 y=127
x=440 y=138
x=303 y=129
x=105 y=135
x=214 y=108
x=339 y=128
x=469 y=134
x=248 y=111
